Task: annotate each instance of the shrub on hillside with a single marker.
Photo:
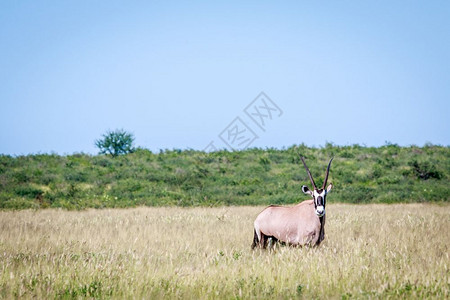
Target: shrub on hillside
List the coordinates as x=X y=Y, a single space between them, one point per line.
x=116 y=143
x=425 y=169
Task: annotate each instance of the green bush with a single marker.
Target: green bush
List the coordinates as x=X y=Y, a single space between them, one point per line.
x=425 y=169
x=28 y=191
x=116 y=142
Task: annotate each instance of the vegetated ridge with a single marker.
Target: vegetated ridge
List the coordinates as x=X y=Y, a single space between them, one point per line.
x=387 y=174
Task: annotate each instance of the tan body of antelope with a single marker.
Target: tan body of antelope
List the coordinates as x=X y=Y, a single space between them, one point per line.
x=302 y=224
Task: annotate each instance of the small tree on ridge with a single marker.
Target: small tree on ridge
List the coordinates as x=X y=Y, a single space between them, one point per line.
x=116 y=142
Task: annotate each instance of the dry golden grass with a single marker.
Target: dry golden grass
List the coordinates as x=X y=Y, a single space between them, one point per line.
x=371 y=251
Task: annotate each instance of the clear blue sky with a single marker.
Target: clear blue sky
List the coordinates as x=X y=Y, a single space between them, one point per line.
x=177 y=73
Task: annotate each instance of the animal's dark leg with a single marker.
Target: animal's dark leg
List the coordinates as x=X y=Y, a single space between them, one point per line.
x=255 y=239
x=264 y=240
x=261 y=240
x=273 y=242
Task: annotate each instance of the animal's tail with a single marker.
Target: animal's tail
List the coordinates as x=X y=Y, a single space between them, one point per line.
x=255 y=239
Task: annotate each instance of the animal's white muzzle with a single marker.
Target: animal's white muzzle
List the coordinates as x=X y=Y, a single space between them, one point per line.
x=320 y=211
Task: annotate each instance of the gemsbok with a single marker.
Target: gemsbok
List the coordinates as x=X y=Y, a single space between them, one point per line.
x=299 y=225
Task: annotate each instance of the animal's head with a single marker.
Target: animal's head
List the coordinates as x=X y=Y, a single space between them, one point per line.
x=319 y=194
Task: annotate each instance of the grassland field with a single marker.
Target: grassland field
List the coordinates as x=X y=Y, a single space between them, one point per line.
x=376 y=251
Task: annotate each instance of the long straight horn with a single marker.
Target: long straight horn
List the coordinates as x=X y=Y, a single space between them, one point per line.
x=309 y=173
x=326 y=175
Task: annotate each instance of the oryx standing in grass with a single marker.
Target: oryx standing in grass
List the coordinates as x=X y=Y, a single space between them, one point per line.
x=302 y=224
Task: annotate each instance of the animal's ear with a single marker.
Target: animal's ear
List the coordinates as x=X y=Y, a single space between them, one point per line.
x=330 y=186
x=306 y=190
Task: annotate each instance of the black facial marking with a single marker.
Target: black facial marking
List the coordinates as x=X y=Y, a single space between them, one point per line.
x=320 y=201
